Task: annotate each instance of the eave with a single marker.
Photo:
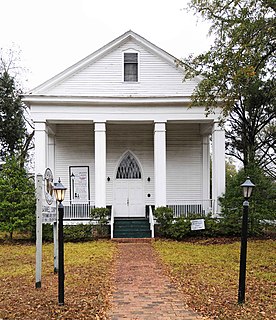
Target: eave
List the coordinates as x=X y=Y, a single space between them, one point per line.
x=32 y=100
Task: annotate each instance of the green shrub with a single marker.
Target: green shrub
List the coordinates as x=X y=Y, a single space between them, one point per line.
x=213 y=227
x=100 y=218
x=180 y=228
x=76 y=233
x=164 y=217
x=47 y=232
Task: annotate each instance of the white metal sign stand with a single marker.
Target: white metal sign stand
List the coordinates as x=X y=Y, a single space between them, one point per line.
x=45 y=213
x=38 y=260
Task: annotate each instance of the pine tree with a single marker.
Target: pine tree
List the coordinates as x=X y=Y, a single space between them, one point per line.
x=17 y=198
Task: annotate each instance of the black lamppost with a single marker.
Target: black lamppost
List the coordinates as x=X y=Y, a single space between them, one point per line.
x=247 y=188
x=59 y=190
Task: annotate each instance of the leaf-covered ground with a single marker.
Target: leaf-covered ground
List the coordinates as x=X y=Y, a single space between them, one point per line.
x=208 y=273
x=88 y=268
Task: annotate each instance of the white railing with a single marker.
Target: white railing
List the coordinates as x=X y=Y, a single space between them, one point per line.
x=74 y=210
x=81 y=211
x=112 y=222
x=190 y=207
x=151 y=221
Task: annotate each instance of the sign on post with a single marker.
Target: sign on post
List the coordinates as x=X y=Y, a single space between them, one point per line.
x=197 y=224
x=49 y=211
x=46 y=212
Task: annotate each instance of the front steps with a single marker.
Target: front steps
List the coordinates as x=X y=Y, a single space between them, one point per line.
x=133 y=240
x=131 y=228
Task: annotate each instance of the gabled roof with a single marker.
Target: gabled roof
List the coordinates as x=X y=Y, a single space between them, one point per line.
x=100 y=53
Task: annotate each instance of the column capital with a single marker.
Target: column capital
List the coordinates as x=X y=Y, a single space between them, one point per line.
x=217 y=126
x=40 y=126
x=100 y=126
x=160 y=126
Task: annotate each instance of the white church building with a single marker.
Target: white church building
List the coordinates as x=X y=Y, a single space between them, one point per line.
x=118 y=129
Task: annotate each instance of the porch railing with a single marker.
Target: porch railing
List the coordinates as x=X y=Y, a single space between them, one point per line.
x=189 y=208
x=81 y=211
x=112 y=222
x=77 y=211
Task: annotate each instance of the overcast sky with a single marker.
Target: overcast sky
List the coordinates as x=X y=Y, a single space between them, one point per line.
x=54 y=34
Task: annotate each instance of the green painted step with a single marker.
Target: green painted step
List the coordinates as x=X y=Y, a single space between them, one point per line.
x=131 y=228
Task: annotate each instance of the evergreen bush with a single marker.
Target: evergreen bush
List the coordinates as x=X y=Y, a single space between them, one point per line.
x=262 y=205
x=17 y=198
x=164 y=217
x=78 y=233
x=100 y=218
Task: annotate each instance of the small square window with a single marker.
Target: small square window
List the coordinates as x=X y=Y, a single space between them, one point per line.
x=131 y=67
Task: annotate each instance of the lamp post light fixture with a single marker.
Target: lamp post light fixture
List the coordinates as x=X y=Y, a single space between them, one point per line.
x=247 y=188
x=59 y=191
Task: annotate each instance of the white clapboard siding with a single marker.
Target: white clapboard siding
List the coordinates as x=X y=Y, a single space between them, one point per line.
x=74 y=147
x=138 y=139
x=184 y=162
x=103 y=77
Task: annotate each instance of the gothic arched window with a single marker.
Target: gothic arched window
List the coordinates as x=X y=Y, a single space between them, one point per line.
x=128 y=168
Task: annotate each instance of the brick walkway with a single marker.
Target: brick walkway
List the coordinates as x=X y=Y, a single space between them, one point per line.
x=142 y=291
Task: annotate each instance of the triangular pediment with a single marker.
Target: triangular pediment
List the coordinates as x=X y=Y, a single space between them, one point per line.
x=100 y=74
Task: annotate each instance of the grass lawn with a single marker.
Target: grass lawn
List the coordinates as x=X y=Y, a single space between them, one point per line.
x=208 y=276
x=88 y=269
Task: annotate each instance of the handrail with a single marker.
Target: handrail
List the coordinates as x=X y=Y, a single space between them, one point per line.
x=112 y=222
x=151 y=221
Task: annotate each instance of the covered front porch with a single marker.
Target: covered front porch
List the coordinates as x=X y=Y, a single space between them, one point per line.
x=134 y=166
x=79 y=213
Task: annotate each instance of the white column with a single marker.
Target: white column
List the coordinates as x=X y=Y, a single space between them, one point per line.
x=41 y=141
x=160 y=164
x=206 y=172
x=218 y=165
x=51 y=153
x=100 y=165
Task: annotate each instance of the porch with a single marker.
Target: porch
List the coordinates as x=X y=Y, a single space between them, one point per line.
x=79 y=213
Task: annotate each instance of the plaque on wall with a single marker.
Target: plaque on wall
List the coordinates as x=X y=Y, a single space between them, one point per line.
x=79 y=184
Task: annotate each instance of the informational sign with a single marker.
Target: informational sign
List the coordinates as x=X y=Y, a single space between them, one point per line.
x=79 y=182
x=49 y=214
x=197 y=224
